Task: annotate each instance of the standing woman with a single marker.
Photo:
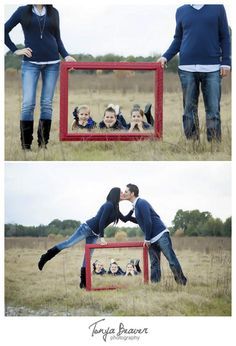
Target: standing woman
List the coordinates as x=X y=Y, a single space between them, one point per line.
x=43 y=44
x=91 y=230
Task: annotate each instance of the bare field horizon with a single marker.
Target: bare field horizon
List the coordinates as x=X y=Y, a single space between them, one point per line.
x=55 y=291
x=98 y=91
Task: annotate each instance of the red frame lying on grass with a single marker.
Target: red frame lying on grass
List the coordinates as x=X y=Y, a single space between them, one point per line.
x=158 y=90
x=136 y=244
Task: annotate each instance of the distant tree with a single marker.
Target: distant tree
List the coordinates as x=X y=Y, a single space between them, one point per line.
x=120 y=236
x=139 y=232
x=184 y=219
x=110 y=231
x=172 y=65
x=180 y=220
x=214 y=227
x=131 y=232
x=66 y=224
x=131 y=58
x=227 y=227
x=12 y=60
x=10 y=230
x=42 y=231
x=84 y=57
x=191 y=223
x=196 y=223
x=55 y=223
x=172 y=230
x=192 y=231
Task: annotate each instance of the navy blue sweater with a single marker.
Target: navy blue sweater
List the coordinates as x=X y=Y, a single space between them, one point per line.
x=105 y=215
x=116 y=126
x=45 y=49
x=146 y=126
x=201 y=36
x=147 y=219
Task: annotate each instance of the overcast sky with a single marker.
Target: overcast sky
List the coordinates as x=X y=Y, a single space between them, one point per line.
x=122 y=27
x=37 y=193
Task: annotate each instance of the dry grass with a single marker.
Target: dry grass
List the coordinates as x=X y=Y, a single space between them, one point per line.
x=97 y=93
x=55 y=291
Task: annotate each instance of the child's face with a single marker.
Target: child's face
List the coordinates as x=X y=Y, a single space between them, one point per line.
x=84 y=114
x=129 y=268
x=98 y=266
x=109 y=119
x=114 y=268
x=136 y=117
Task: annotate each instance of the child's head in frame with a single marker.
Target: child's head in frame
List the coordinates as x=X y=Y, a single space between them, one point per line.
x=82 y=118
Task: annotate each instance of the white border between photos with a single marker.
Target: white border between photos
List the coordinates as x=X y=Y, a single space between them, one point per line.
x=2 y=112
x=62 y=331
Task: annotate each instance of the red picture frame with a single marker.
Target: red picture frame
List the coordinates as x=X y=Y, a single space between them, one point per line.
x=116 y=136
x=136 y=244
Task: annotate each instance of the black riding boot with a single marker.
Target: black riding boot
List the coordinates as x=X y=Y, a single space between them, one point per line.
x=26 y=134
x=44 y=132
x=47 y=256
x=147 y=112
x=82 y=277
x=137 y=266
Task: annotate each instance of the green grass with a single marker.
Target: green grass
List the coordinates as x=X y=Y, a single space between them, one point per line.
x=55 y=290
x=174 y=146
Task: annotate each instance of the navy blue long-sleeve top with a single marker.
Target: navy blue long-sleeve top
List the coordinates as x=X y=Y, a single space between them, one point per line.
x=147 y=219
x=201 y=36
x=116 y=126
x=146 y=126
x=45 y=49
x=105 y=215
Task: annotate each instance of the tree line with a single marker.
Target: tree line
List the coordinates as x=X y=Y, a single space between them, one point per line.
x=14 y=62
x=196 y=223
x=188 y=223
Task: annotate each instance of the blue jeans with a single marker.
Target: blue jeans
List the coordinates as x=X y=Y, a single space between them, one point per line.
x=83 y=232
x=211 y=91
x=164 y=245
x=30 y=75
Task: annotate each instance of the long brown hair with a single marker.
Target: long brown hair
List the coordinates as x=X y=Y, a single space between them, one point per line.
x=114 y=197
x=52 y=15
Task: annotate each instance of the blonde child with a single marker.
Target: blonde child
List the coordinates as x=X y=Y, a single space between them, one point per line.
x=98 y=268
x=82 y=118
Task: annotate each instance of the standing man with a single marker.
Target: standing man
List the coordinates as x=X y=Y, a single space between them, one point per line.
x=157 y=237
x=203 y=42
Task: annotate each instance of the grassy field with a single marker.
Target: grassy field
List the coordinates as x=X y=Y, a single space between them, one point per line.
x=55 y=291
x=97 y=92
